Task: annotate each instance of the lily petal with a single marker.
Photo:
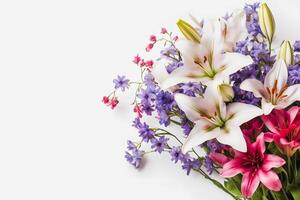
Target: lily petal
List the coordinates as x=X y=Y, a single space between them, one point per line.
x=267 y=107
x=232 y=168
x=293 y=94
x=272 y=161
x=199 y=134
x=233 y=62
x=233 y=136
x=195 y=107
x=270 y=179
x=254 y=86
x=293 y=111
x=219 y=158
x=190 y=50
x=242 y=112
x=278 y=73
x=250 y=183
x=181 y=75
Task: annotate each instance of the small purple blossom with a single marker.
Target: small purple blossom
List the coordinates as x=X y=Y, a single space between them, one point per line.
x=208 y=164
x=130 y=145
x=294 y=74
x=121 y=82
x=164 y=101
x=186 y=125
x=135 y=157
x=145 y=133
x=191 y=88
x=190 y=163
x=176 y=154
x=297 y=46
x=137 y=123
x=149 y=80
x=172 y=66
x=214 y=146
x=159 y=144
x=147 y=107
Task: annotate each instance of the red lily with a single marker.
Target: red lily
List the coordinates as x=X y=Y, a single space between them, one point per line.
x=255 y=166
x=284 y=129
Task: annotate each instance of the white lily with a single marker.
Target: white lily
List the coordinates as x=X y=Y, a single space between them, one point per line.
x=213 y=119
x=204 y=62
x=274 y=93
x=232 y=30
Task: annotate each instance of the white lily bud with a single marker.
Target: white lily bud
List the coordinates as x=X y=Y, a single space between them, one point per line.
x=266 y=22
x=226 y=92
x=188 y=31
x=286 y=53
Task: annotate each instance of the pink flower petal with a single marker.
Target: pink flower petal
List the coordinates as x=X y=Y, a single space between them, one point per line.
x=292 y=112
x=219 y=158
x=270 y=123
x=269 y=136
x=250 y=183
x=270 y=179
x=260 y=144
x=232 y=168
x=272 y=161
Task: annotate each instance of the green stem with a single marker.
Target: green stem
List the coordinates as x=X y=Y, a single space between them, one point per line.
x=166 y=133
x=216 y=183
x=273 y=195
x=289 y=166
x=175 y=122
x=270 y=47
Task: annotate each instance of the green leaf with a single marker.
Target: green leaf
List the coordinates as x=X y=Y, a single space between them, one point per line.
x=296 y=193
x=232 y=188
x=258 y=195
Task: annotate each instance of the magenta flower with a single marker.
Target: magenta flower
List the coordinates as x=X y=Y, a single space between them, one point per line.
x=255 y=166
x=284 y=129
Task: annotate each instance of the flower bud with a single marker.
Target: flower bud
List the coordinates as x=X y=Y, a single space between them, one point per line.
x=266 y=22
x=286 y=53
x=226 y=92
x=188 y=31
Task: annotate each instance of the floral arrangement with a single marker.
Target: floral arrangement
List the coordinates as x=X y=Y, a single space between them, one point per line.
x=234 y=97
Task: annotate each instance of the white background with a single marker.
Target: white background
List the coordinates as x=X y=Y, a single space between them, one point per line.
x=57 y=59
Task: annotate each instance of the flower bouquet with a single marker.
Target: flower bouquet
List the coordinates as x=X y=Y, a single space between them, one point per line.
x=232 y=94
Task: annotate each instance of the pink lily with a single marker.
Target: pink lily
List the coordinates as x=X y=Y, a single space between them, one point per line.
x=284 y=129
x=255 y=166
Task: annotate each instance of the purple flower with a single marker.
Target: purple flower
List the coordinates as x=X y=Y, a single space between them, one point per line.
x=297 y=46
x=135 y=157
x=148 y=94
x=145 y=133
x=214 y=146
x=208 y=164
x=164 y=118
x=176 y=154
x=252 y=19
x=130 y=145
x=159 y=144
x=121 y=82
x=191 y=88
x=190 y=163
x=137 y=123
x=297 y=59
x=294 y=75
x=172 y=66
x=164 y=101
x=149 y=80
x=186 y=125
x=147 y=107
